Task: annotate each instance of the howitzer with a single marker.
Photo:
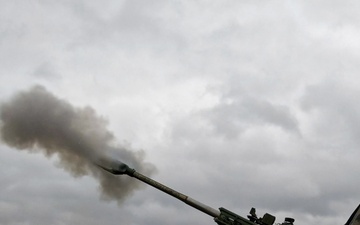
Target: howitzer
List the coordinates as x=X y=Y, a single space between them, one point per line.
x=221 y=216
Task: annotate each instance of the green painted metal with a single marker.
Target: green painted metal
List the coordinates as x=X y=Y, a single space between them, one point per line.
x=221 y=216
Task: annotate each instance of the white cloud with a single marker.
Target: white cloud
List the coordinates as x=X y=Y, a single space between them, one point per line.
x=240 y=104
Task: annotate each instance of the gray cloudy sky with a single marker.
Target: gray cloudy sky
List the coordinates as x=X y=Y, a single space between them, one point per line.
x=239 y=104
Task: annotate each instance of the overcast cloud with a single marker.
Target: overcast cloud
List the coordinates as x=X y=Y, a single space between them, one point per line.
x=238 y=104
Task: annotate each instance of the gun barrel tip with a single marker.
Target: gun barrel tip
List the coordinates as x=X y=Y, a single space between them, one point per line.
x=113 y=166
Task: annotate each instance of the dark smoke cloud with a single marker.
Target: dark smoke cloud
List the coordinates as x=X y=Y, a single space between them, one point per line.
x=36 y=120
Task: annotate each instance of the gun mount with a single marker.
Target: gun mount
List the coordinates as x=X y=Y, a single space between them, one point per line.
x=221 y=216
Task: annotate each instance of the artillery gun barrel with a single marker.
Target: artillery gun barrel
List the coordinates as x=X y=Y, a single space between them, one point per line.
x=221 y=216
x=119 y=168
x=186 y=199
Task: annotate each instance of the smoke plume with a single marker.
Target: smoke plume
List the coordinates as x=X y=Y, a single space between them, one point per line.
x=36 y=120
